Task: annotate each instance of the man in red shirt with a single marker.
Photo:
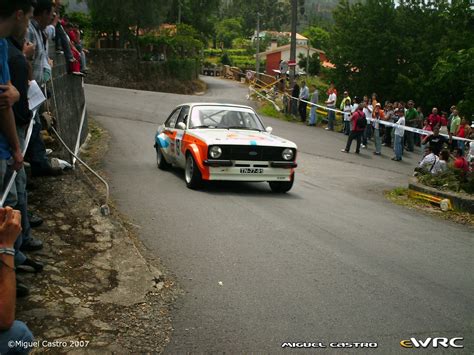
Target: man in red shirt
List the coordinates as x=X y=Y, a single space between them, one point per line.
x=460 y=162
x=434 y=119
x=357 y=129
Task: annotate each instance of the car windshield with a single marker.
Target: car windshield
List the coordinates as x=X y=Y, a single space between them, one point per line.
x=221 y=117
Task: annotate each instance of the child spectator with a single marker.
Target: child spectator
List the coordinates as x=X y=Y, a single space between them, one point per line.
x=389 y=117
x=426 y=127
x=347 y=117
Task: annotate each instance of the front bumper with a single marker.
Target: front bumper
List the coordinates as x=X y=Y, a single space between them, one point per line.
x=250 y=170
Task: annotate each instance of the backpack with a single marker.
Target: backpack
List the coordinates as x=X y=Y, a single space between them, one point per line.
x=361 y=123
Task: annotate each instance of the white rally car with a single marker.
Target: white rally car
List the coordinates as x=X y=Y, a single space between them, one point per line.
x=224 y=142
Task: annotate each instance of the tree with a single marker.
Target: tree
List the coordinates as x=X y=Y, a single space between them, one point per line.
x=413 y=50
x=318 y=37
x=314 y=63
x=227 y=30
x=121 y=16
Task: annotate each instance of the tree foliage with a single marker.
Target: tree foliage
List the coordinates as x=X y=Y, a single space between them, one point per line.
x=227 y=30
x=314 y=63
x=318 y=37
x=414 y=50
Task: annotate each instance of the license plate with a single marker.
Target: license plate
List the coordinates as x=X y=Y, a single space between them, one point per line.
x=251 y=171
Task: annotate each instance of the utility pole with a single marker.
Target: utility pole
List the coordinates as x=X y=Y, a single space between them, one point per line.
x=294 y=19
x=257 y=57
x=307 y=62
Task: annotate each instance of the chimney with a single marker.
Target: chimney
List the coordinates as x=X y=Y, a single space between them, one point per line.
x=273 y=44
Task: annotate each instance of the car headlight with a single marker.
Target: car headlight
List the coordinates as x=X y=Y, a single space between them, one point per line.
x=288 y=154
x=215 y=152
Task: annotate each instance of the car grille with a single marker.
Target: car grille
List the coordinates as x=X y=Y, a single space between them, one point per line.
x=251 y=153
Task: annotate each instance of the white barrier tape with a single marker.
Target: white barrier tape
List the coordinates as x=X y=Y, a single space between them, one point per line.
x=387 y=123
x=266 y=98
x=13 y=177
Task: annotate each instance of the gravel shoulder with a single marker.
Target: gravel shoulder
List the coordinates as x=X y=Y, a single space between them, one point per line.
x=99 y=285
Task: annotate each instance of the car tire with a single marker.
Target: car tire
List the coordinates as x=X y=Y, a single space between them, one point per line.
x=192 y=174
x=282 y=187
x=161 y=162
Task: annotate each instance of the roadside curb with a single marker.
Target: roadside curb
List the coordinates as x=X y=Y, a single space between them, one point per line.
x=460 y=201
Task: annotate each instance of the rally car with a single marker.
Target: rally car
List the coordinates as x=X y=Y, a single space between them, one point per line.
x=224 y=142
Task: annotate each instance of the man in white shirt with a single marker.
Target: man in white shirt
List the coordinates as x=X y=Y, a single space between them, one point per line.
x=331 y=104
x=429 y=162
x=399 y=133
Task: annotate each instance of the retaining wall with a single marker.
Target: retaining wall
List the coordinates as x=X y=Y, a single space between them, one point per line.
x=68 y=105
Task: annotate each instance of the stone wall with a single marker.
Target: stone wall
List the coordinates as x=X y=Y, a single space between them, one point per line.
x=121 y=68
x=69 y=100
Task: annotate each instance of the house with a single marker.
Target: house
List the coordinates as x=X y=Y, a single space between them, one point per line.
x=274 y=55
x=300 y=39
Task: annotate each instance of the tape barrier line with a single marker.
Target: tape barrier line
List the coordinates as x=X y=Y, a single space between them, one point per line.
x=13 y=177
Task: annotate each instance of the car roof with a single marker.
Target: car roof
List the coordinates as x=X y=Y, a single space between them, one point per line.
x=194 y=104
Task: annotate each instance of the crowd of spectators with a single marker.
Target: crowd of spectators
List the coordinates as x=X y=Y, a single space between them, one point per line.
x=27 y=27
x=362 y=119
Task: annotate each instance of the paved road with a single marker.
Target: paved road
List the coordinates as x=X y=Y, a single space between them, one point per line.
x=330 y=261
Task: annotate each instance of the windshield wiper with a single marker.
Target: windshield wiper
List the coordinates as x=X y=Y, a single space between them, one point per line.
x=246 y=128
x=202 y=126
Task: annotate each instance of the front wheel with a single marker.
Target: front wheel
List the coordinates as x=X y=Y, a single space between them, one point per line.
x=282 y=186
x=192 y=174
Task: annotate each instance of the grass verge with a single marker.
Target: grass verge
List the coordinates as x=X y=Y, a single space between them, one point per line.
x=400 y=197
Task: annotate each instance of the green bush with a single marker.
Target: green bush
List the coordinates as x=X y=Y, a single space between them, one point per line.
x=449 y=180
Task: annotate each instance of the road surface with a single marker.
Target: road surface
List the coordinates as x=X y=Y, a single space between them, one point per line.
x=331 y=261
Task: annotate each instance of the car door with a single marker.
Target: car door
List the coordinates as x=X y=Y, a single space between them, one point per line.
x=168 y=135
x=179 y=157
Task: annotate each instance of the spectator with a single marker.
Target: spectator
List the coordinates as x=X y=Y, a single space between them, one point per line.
x=460 y=162
x=399 y=133
x=368 y=108
x=435 y=141
x=389 y=117
x=426 y=127
x=431 y=163
x=303 y=98
x=347 y=117
x=450 y=118
x=455 y=124
x=42 y=17
x=314 y=100
x=331 y=104
x=346 y=100
x=9 y=143
x=10 y=329
x=464 y=131
x=19 y=72
x=411 y=116
x=378 y=115
x=444 y=160
x=359 y=122
x=421 y=120
x=434 y=119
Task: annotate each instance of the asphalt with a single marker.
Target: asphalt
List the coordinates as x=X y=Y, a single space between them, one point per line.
x=331 y=261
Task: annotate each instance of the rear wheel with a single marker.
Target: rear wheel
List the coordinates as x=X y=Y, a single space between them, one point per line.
x=192 y=174
x=161 y=162
x=282 y=186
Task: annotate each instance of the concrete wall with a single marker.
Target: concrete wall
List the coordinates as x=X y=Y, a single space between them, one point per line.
x=70 y=101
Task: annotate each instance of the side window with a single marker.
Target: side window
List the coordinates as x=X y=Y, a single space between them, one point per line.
x=171 y=121
x=183 y=115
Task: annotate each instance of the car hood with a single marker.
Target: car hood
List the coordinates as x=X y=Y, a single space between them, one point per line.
x=239 y=137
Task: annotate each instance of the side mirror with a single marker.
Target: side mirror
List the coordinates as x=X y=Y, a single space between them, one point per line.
x=269 y=130
x=181 y=125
